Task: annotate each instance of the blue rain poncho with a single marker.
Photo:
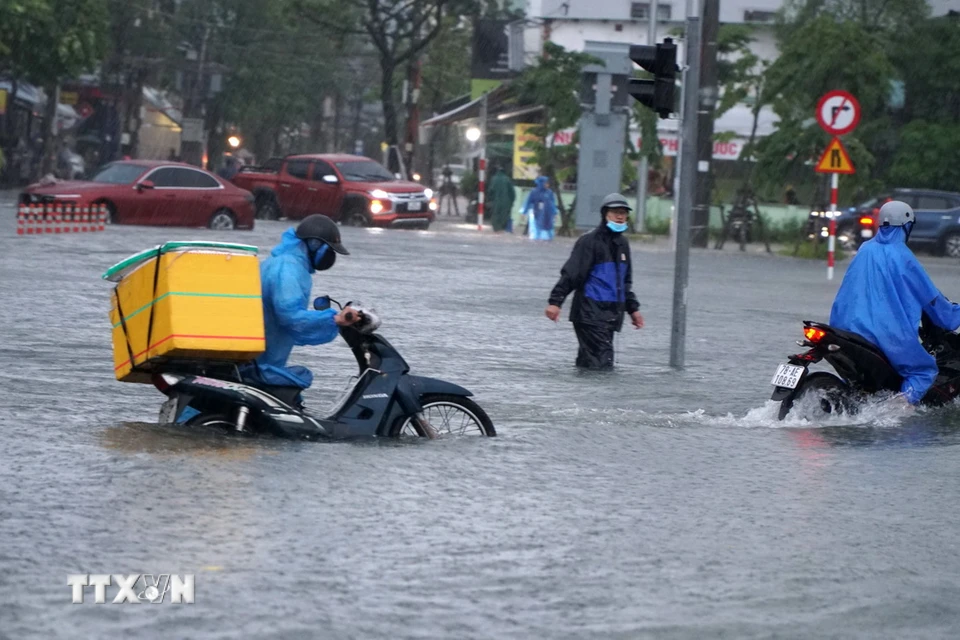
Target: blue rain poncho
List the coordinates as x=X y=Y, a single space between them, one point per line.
x=543 y=205
x=882 y=298
x=288 y=321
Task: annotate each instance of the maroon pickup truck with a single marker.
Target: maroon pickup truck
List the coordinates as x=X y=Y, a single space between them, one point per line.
x=350 y=189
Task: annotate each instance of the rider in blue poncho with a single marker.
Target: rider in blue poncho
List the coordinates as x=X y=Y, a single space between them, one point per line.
x=542 y=203
x=883 y=296
x=286 y=286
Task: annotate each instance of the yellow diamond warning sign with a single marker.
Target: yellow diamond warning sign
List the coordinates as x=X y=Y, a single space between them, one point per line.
x=835 y=159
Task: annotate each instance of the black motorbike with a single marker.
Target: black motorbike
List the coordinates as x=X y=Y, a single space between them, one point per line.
x=861 y=369
x=384 y=399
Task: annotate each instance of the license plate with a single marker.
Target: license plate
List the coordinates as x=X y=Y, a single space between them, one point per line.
x=787 y=376
x=168 y=412
x=414 y=206
x=866 y=233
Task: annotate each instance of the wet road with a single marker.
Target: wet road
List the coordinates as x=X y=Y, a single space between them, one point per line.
x=643 y=503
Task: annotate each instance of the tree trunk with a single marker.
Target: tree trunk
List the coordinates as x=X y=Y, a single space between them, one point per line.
x=11 y=124
x=49 y=130
x=389 y=113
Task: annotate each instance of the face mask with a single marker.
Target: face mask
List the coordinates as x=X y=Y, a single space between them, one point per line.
x=317 y=255
x=617 y=227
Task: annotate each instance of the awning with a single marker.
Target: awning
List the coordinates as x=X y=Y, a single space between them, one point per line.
x=26 y=92
x=500 y=100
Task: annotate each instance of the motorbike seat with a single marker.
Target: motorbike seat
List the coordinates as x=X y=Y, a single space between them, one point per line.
x=858 y=340
x=287 y=395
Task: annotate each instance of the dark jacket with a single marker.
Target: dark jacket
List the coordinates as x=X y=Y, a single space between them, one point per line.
x=599 y=270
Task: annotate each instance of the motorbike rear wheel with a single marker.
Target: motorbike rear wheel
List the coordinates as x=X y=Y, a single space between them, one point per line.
x=448 y=415
x=834 y=397
x=212 y=421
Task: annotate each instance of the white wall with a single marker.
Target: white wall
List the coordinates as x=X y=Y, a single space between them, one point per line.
x=573 y=36
x=730 y=10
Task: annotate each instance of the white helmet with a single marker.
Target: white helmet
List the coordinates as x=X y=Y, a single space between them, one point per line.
x=895 y=214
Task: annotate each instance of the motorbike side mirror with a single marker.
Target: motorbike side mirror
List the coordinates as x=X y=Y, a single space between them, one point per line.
x=322 y=303
x=146 y=184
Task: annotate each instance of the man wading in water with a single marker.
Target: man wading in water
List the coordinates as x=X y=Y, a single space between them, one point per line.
x=599 y=272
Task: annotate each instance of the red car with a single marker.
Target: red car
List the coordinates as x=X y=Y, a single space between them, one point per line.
x=154 y=193
x=354 y=190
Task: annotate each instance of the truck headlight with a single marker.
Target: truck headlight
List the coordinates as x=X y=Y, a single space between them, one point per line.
x=380 y=194
x=428 y=193
x=376 y=207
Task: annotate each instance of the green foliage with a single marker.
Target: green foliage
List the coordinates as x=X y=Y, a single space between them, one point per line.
x=44 y=42
x=929 y=63
x=658 y=226
x=469 y=184
x=818 y=55
x=554 y=82
x=927 y=157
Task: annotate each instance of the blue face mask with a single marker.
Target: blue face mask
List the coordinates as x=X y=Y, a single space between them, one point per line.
x=317 y=254
x=617 y=227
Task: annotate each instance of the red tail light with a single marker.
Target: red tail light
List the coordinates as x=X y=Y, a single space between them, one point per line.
x=866 y=221
x=159 y=383
x=813 y=334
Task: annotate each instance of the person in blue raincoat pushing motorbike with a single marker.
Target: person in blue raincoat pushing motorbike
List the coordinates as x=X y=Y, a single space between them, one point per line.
x=286 y=285
x=883 y=296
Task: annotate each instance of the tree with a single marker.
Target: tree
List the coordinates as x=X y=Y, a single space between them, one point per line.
x=927 y=156
x=399 y=30
x=741 y=75
x=554 y=82
x=445 y=76
x=928 y=60
x=819 y=55
x=44 y=44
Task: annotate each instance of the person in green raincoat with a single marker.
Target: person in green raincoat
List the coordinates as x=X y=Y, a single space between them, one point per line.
x=500 y=197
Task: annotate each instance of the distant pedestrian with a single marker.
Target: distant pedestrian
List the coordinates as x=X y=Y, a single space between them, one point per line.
x=229 y=169
x=541 y=210
x=500 y=197
x=448 y=192
x=599 y=272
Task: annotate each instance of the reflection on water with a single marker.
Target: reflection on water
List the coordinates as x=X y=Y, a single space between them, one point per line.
x=138 y=437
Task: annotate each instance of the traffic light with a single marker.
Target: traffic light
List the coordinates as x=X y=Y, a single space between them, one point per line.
x=660 y=60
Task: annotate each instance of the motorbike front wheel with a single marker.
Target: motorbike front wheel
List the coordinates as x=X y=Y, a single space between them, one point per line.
x=820 y=395
x=448 y=415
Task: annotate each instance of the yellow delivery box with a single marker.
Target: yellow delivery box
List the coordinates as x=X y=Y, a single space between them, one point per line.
x=185 y=301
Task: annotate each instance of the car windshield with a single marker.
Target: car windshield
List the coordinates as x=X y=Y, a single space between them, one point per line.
x=364 y=171
x=869 y=204
x=118 y=173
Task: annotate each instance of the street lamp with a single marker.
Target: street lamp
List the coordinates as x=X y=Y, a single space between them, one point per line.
x=233 y=141
x=473 y=134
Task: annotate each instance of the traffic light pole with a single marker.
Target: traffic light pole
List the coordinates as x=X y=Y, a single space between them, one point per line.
x=710 y=18
x=643 y=170
x=688 y=181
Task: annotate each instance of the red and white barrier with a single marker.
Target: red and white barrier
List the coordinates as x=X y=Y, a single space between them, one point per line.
x=59 y=217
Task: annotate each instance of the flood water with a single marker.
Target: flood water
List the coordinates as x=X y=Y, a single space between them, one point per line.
x=641 y=503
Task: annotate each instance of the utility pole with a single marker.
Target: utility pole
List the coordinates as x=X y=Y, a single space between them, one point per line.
x=643 y=170
x=700 y=228
x=192 y=150
x=688 y=177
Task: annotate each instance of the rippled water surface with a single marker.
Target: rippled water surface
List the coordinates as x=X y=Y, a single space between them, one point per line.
x=642 y=503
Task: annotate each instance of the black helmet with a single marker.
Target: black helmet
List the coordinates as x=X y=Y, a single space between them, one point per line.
x=322 y=228
x=614 y=201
